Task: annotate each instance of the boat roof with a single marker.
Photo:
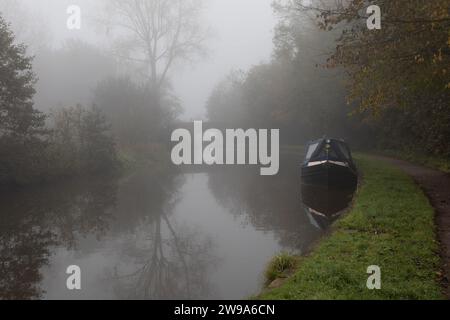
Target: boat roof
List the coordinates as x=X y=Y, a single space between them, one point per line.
x=340 y=147
x=327 y=139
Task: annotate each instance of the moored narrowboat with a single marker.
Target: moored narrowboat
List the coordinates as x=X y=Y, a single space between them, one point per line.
x=329 y=162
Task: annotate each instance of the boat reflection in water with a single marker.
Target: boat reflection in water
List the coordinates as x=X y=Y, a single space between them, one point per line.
x=324 y=204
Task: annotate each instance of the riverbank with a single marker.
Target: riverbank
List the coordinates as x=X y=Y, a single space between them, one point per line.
x=137 y=157
x=436 y=185
x=392 y=226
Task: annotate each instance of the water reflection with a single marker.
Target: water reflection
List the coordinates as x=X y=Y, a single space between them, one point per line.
x=324 y=204
x=159 y=234
x=269 y=203
x=165 y=260
x=32 y=222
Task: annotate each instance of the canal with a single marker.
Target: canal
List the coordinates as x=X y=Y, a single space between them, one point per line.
x=160 y=234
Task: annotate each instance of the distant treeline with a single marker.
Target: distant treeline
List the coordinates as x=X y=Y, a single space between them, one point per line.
x=328 y=75
x=75 y=140
x=331 y=75
x=35 y=147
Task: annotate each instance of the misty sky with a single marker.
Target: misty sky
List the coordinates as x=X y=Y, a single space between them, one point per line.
x=242 y=32
x=243 y=37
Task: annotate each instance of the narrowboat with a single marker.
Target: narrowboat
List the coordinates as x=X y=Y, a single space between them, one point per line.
x=329 y=162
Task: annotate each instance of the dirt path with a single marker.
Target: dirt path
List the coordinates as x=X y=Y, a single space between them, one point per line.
x=436 y=185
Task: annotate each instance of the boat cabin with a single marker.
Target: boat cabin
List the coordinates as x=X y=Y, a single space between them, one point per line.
x=330 y=150
x=329 y=162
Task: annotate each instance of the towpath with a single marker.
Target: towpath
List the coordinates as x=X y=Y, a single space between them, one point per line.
x=436 y=185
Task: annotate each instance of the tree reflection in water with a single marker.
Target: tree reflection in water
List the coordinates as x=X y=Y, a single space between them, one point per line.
x=275 y=203
x=140 y=243
x=270 y=203
x=34 y=221
x=157 y=257
x=172 y=260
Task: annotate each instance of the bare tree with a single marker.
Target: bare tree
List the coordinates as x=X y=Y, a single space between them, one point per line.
x=157 y=33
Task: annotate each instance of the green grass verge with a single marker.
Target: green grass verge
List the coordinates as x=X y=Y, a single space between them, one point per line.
x=392 y=226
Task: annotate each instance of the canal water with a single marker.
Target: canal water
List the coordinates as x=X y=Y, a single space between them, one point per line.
x=160 y=234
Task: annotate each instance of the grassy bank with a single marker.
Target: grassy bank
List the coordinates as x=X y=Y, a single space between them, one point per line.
x=143 y=156
x=392 y=226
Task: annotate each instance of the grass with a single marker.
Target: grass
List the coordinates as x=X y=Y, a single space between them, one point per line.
x=279 y=266
x=392 y=226
x=143 y=156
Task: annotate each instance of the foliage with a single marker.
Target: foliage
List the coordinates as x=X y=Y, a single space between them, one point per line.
x=293 y=91
x=399 y=76
x=22 y=128
x=17 y=116
x=135 y=115
x=395 y=80
x=81 y=142
x=225 y=101
x=29 y=151
x=286 y=93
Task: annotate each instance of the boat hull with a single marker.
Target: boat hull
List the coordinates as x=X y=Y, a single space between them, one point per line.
x=329 y=174
x=327 y=200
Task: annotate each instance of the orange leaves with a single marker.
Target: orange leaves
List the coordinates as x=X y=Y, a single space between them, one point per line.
x=437 y=57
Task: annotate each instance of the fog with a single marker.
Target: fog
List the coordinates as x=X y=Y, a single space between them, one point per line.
x=252 y=63
x=159 y=145
x=149 y=64
x=240 y=35
x=233 y=23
